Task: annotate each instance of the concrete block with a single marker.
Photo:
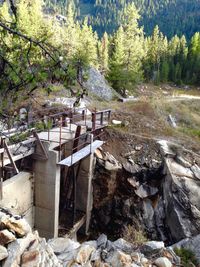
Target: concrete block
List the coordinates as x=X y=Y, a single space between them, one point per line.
x=30 y=216
x=45 y=222
x=18 y=193
x=45 y=196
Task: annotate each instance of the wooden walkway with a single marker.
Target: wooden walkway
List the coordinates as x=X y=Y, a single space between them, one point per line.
x=82 y=153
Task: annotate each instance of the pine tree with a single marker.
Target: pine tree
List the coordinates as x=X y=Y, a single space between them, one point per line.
x=103 y=53
x=126 y=61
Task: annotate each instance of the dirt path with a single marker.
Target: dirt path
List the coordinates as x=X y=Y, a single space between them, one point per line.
x=182 y=97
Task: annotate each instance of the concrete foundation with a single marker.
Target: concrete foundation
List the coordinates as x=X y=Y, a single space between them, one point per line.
x=18 y=195
x=47 y=194
x=84 y=193
x=36 y=195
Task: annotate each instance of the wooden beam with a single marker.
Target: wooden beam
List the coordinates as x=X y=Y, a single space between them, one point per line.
x=44 y=152
x=11 y=158
x=81 y=154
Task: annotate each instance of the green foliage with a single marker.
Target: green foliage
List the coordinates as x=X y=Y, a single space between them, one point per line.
x=127 y=54
x=17 y=138
x=187 y=256
x=63 y=51
x=108 y=15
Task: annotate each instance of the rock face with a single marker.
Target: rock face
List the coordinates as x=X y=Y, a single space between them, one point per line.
x=158 y=192
x=181 y=196
x=97 y=85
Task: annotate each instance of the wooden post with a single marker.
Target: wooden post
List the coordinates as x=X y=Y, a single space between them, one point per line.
x=74 y=197
x=93 y=121
x=83 y=115
x=60 y=138
x=109 y=115
x=76 y=140
x=2 y=170
x=10 y=158
x=101 y=118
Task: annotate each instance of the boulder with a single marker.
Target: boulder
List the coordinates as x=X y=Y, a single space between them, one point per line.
x=102 y=241
x=30 y=258
x=163 y=262
x=116 y=122
x=192 y=244
x=17 y=248
x=3 y=253
x=119 y=259
x=145 y=191
x=61 y=245
x=98 y=86
x=19 y=226
x=84 y=254
x=6 y=237
x=152 y=247
x=123 y=245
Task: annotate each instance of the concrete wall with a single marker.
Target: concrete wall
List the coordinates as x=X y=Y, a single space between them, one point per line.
x=84 y=193
x=47 y=194
x=18 y=195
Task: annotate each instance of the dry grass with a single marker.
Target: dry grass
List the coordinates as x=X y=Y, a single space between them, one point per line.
x=137 y=237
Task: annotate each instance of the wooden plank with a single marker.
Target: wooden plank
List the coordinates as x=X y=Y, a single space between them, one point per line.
x=84 y=152
x=44 y=152
x=11 y=158
x=20 y=156
x=76 y=139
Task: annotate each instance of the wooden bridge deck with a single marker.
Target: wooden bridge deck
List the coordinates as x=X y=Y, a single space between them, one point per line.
x=82 y=153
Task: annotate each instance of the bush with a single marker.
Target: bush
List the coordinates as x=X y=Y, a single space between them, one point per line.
x=134 y=236
x=187 y=256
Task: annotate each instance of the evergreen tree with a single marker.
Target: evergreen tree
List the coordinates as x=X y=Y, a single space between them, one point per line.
x=103 y=53
x=126 y=66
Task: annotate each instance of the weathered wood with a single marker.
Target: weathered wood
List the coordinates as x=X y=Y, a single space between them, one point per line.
x=11 y=158
x=1 y=169
x=44 y=154
x=84 y=152
x=76 y=139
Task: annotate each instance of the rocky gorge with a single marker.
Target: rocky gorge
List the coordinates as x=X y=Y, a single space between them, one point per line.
x=147 y=185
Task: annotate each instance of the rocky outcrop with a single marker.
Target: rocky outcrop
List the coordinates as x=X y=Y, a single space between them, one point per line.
x=98 y=86
x=180 y=189
x=155 y=189
x=27 y=249
x=20 y=246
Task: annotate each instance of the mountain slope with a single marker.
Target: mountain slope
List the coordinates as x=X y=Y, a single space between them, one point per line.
x=172 y=16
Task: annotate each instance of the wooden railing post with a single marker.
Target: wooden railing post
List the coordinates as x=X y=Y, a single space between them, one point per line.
x=83 y=115
x=109 y=115
x=93 y=121
x=2 y=169
x=101 y=118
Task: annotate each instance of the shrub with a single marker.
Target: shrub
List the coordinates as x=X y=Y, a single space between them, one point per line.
x=134 y=236
x=187 y=256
